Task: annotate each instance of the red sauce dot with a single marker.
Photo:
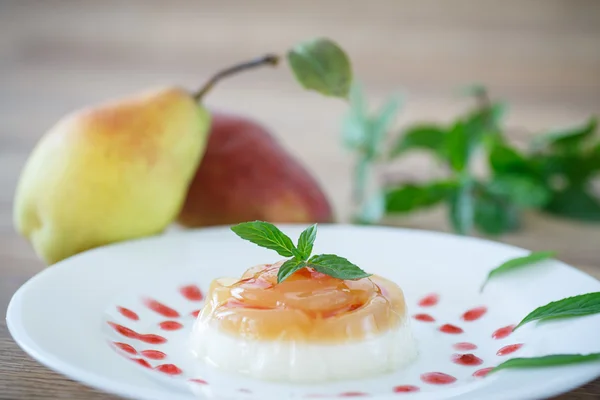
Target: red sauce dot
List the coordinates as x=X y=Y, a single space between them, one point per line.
x=160 y=308
x=199 y=381
x=406 y=389
x=451 y=329
x=464 y=346
x=169 y=369
x=474 y=314
x=353 y=394
x=153 y=354
x=126 y=347
x=130 y=333
x=466 y=359
x=437 y=378
x=429 y=300
x=170 y=325
x=424 y=317
x=511 y=348
x=480 y=373
x=142 y=362
x=503 y=332
x=191 y=292
x=127 y=313
x=152 y=339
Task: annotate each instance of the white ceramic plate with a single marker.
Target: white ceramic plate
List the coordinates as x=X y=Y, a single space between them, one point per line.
x=95 y=318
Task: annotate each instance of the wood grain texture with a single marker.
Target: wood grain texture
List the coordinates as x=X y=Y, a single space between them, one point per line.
x=56 y=56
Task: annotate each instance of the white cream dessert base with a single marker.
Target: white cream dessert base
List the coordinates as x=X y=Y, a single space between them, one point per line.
x=301 y=362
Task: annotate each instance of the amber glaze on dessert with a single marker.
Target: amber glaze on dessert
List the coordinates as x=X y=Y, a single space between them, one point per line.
x=307 y=306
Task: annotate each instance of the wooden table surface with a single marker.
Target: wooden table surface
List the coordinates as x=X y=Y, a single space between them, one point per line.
x=55 y=56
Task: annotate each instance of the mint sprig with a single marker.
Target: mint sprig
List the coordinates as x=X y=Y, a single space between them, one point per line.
x=267 y=235
x=516 y=263
x=575 y=306
x=553 y=360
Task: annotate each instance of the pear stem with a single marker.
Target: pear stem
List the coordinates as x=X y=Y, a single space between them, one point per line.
x=269 y=59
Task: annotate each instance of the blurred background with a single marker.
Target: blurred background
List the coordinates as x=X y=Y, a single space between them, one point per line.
x=540 y=56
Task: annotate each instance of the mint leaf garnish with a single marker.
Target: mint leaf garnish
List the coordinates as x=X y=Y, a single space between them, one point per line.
x=269 y=236
x=553 y=360
x=321 y=65
x=336 y=266
x=518 y=263
x=306 y=240
x=575 y=306
x=266 y=235
x=288 y=268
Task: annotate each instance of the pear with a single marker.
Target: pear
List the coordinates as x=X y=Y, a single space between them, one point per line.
x=116 y=171
x=247 y=175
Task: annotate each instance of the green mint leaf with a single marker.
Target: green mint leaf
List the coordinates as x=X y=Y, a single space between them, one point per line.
x=576 y=203
x=553 y=360
x=493 y=216
x=569 y=138
x=575 y=306
x=518 y=262
x=321 y=65
x=506 y=159
x=380 y=125
x=520 y=190
x=288 y=268
x=306 y=241
x=423 y=136
x=355 y=124
x=336 y=266
x=461 y=206
x=266 y=235
x=412 y=196
x=458 y=147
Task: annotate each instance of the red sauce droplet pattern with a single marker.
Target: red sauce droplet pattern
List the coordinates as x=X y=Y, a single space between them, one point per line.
x=451 y=329
x=466 y=359
x=124 y=331
x=511 y=348
x=480 y=373
x=170 y=369
x=438 y=378
x=127 y=313
x=464 y=346
x=191 y=292
x=195 y=313
x=152 y=339
x=125 y=347
x=503 y=332
x=170 y=325
x=142 y=362
x=199 y=381
x=153 y=354
x=406 y=389
x=429 y=300
x=424 y=318
x=474 y=314
x=160 y=308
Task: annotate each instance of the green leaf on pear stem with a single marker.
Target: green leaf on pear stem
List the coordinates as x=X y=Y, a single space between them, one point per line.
x=517 y=263
x=575 y=306
x=553 y=360
x=321 y=65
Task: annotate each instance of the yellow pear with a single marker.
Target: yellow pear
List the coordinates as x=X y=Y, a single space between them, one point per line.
x=110 y=173
x=113 y=172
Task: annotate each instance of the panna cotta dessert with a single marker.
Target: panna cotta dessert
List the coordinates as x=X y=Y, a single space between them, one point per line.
x=309 y=328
